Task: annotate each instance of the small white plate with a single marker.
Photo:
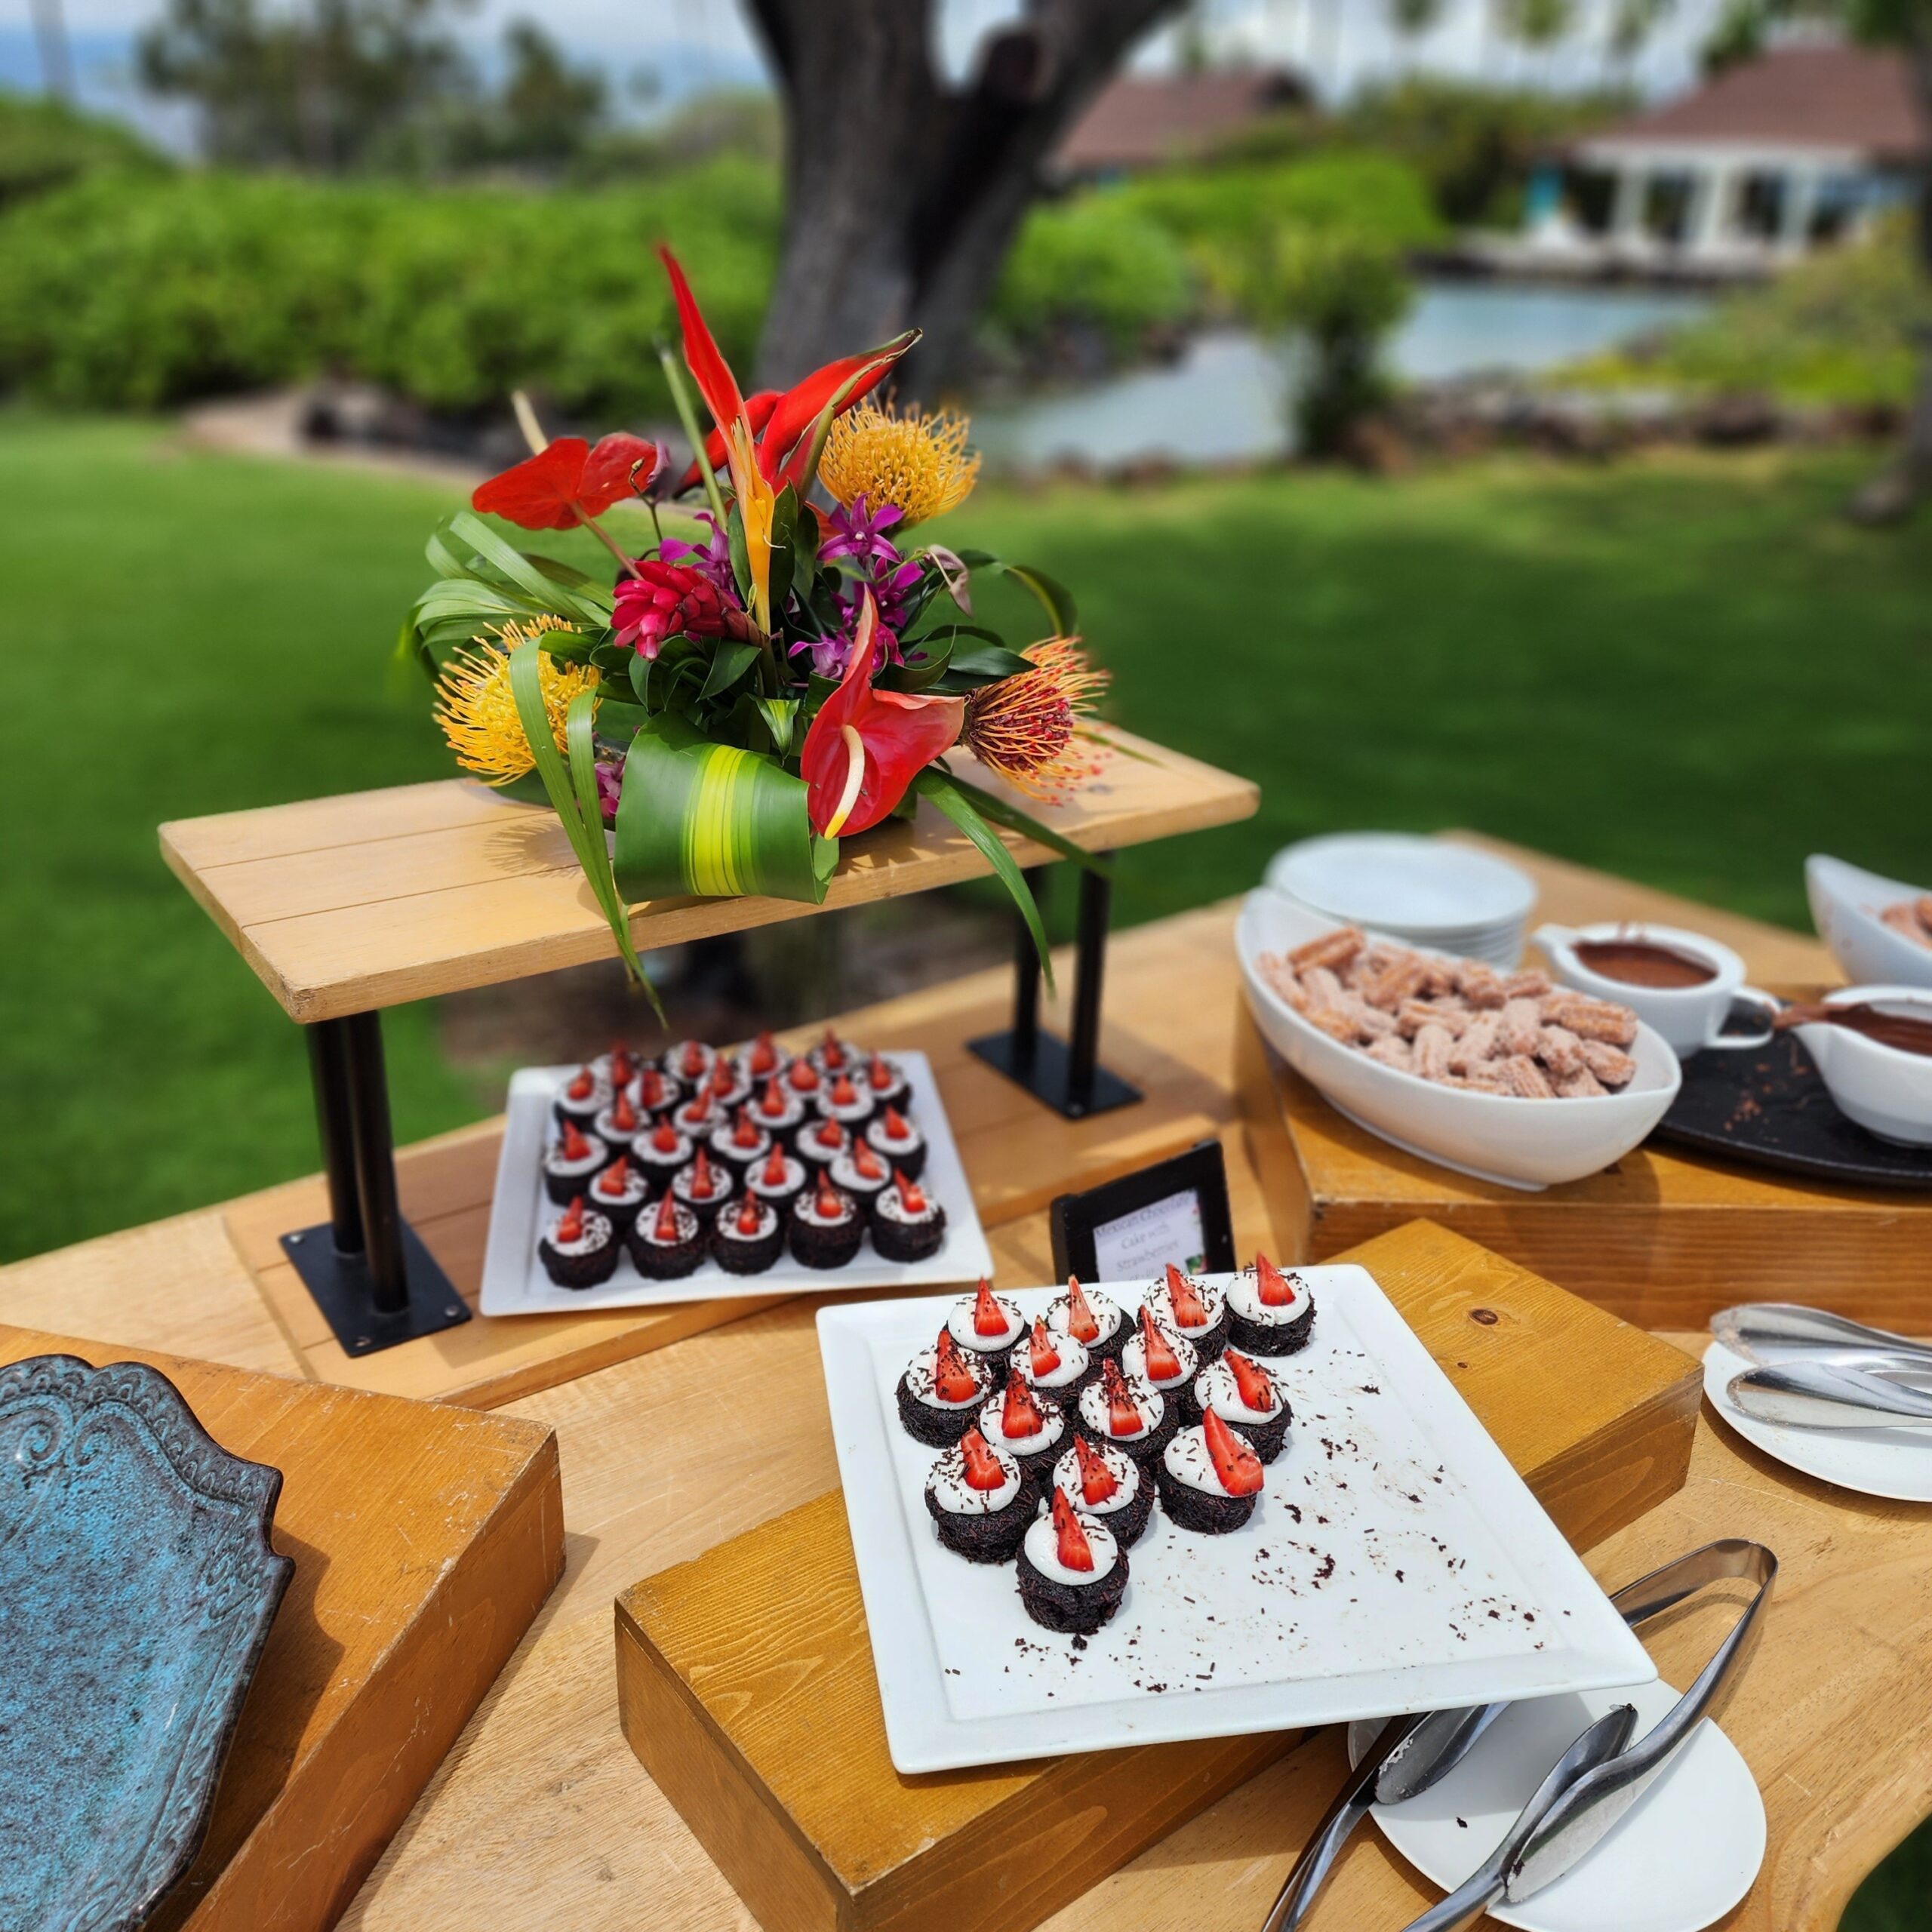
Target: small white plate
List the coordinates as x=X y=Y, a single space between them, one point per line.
x=1396 y=1562
x=1395 y=880
x=1678 y=1860
x=515 y=1282
x=1895 y=1463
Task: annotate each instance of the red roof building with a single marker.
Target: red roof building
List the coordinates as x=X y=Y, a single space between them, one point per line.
x=1138 y=122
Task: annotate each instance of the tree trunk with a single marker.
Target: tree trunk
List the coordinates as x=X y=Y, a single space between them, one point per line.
x=903 y=196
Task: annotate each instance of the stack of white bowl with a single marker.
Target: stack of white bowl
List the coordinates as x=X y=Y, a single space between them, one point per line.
x=1441 y=897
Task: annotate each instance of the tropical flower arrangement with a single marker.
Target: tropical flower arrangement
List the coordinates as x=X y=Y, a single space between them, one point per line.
x=787 y=675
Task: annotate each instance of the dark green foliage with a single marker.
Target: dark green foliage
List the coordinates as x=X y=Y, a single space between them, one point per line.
x=45 y=144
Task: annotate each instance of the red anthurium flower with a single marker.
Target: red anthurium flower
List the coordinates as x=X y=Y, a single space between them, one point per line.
x=569 y=482
x=866 y=746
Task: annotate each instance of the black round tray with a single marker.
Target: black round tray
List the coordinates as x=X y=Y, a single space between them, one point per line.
x=1768 y=1105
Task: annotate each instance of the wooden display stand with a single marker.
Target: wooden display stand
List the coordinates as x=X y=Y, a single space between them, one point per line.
x=745 y=1681
x=1662 y=1238
x=344 y=906
x=425 y=1540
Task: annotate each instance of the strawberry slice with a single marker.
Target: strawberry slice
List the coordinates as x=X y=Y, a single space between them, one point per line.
x=651 y=1087
x=582 y=1086
x=896 y=1128
x=988 y=1318
x=953 y=1379
x=1257 y=1392
x=1124 y=1416
x=912 y=1197
x=723 y=1079
x=869 y=1165
x=1235 y=1464
x=666 y=1230
x=828 y=1134
x=833 y=1051
x=1019 y=1415
x=745 y=1133
x=615 y=1179
x=830 y=1204
x=1163 y=1364
x=624 y=1064
x=844 y=1093
x=1074 y=1550
x=1097 y=1482
x=1185 y=1300
x=1275 y=1289
x=764 y=1056
x=703 y=1181
x=983 y=1469
x=1041 y=1355
x=1080 y=1322
x=772 y=1102
x=775 y=1169
x=575 y=1146
x=751 y=1216
x=623 y=1115
x=879 y=1074
x=693 y=1061
x=694 y=1116
x=803 y=1076
x=571 y=1226
x=665 y=1137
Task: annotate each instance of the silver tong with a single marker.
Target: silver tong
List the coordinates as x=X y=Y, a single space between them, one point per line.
x=1819 y=1370
x=1586 y=1791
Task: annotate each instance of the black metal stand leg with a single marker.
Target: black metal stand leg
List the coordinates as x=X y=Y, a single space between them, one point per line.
x=1065 y=1076
x=366 y=1267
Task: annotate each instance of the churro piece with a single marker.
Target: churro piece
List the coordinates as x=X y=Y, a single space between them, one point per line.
x=1322 y=986
x=1414 y=1015
x=1529 y=983
x=1911 y=921
x=1477 y=1043
x=1393 y=1051
x=1522 y=1027
x=1483 y=1079
x=1480 y=985
x=1562 y=1052
x=1439 y=976
x=1922 y=906
x=1581 y=1085
x=1334 y=950
x=1398 y=980
x=1332 y=1021
x=1371 y=1022
x=1430 y=1053
x=1611 y=1064
x=1592 y=1019
x=1520 y=1075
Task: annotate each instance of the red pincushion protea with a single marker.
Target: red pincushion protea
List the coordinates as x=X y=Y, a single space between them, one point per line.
x=663 y=599
x=1032 y=727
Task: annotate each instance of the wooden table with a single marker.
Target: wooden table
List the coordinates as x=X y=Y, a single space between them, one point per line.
x=541 y=1818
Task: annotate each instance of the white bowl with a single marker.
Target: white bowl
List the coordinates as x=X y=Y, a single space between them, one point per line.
x=1493 y=1136
x=1845 y=905
x=1398 y=883
x=1887 y=1092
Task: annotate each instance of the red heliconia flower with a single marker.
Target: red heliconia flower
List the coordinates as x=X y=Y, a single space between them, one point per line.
x=663 y=599
x=568 y=482
x=867 y=745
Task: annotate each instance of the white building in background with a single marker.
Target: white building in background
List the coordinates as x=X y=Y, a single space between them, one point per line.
x=1797 y=150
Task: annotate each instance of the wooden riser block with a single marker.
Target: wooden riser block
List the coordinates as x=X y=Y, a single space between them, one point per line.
x=425 y=1540
x=1664 y=1239
x=745 y=1683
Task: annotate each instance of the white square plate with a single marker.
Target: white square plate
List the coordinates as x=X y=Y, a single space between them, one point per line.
x=1397 y=1563
x=514 y=1283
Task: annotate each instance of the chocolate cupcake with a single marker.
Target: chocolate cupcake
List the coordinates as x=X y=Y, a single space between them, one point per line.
x=988 y=1325
x=1056 y=1365
x=826 y=1226
x=1094 y=1320
x=979 y=1501
x=1107 y=1482
x=885 y=1082
x=570 y=1162
x=1031 y=1428
x=908 y=1224
x=1209 y=1478
x=1132 y=1419
x=1154 y=1359
x=667 y=1243
x=656 y=1093
x=897 y=1142
x=1250 y=1400
x=618 y=1067
x=780 y=1178
x=832 y=1056
x=845 y=1100
x=1195 y=1310
x=579 y=1248
x=859 y=1172
x=619 y=1125
x=763 y=1059
x=661 y=1153
x=941 y=1389
x=689 y=1061
x=779 y=1112
x=728 y=1086
x=748 y=1238
x=620 y=1192
x=696 y=1116
x=819 y=1142
x=740 y=1144
x=704 y=1187
x=1269 y=1313
x=582 y=1098
x=1072 y=1573
x=804 y=1079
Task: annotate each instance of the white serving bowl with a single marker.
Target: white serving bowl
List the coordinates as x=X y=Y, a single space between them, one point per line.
x=1887 y=1092
x=1493 y=1136
x=1845 y=905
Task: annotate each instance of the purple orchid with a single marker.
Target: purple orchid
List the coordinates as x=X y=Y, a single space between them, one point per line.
x=859 y=534
x=711 y=560
x=610 y=786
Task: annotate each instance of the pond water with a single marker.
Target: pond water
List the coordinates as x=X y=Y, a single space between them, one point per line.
x=1222 y=401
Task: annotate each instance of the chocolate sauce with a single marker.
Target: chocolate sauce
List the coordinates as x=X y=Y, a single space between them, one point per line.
x=1902 y=1031
x=1642 y=962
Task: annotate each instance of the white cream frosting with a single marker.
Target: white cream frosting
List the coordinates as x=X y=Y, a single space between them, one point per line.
x=1133 y=1360
x=794 y=1179
x=596 y=1234
x=848 y=1113
x=884 y=1143
x=1042 y=1547
x=1244 y=1298
x=685 y=1180
x=924 y=1366
x=1215 y=1388
x=1074 y=1359
x=957 y=1496
x=646 y=1229
x=594 y=1160
x=890 y=1207
x=805 y=1208
x=845 y=1173
x=635 y=1187
x=1188 y=1461
x=992 y=1426
x=1213 y=1301
x=599 y=1098
x=1094 y=1411
x=728 y=1229
x=1125 y=1470
x=1106 y=1312
x=961 y=1322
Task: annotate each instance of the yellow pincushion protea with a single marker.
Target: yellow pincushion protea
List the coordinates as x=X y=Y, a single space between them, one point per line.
x=477 y=712
x=917 y=461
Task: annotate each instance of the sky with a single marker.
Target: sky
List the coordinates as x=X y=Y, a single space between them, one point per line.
x=691 y=45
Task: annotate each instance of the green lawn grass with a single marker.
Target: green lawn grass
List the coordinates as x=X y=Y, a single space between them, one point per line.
x=1690 y=670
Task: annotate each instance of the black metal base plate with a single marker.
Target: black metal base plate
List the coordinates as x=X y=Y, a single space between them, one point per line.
x=344 y=1293
x=1044 y=1071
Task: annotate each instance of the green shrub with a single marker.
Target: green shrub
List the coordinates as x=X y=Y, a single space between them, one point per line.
x=118 y=295
x=1094 y=259
x=45 y=144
